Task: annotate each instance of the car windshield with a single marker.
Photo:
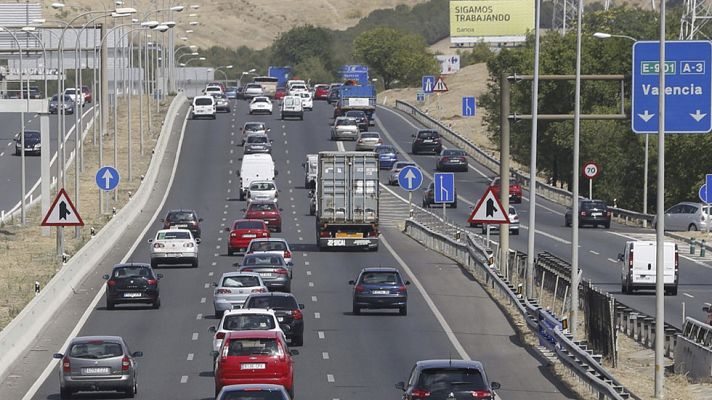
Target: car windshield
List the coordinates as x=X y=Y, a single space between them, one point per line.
x=204 y=101
x=266 y=260
x=220 y=96
x=171 y=235
x=427 y=134
x=251 y=347
x=240 y=281
x=254 y=86
x=464 y=379
x=248 y=225
x=248 y=322
x=257 y=139
x=72 y=91
x=262 y=186
x=305 y=95
x=252 y=394
x=66 y=98
x=254 y=127
x=268 y=245
x=180 y=216
x=355 y=114
x=376 y=278
x=273 y=302
x=453 y=153
x=132 y=272
x=262 y=207
x=385 y=150
x=96 y=350
x=32 y=135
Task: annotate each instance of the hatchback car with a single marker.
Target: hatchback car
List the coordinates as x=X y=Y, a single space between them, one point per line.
x=254 y=319
x=685 y=216
x=93 y=363
x=33 y=143
x=267 y=211
x=68 y=105
x=243 y=231
x=231 y=92
x=368 y=141
x=396 y=169
x=515 y=189
x=360 y=117
x=258 y=143
x=252 y=128
x=429 y=197
x=174 y=246
x=280 y=93
x=270 y=246
x=448 y=380
x=321 y=91
x=452 y=160
x=307 y=101
x=380 y=288
x=426 y=140
x=252 y=90
x=221 y=102
x=513 y=223
x=233 y=288
x=260 y=105
x=132 y=283
x=183 y=219
x=254 y=357
x=288 y=312
x=387 y=155
x=255 y=391
x=344 y=128
x=262 y=191
x=591 y=212
x=274 y=271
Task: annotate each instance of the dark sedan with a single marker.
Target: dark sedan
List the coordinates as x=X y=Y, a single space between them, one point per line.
x=448 y=379
x=132 y=283
x=67 y=105
x=452 y=160
x=33 y=143
x=360 y=117
x=591 y=212
x=274 y=271
x=380 y=287
x=429 y=197
x=426 y=140
x=288 y=312
x=183 y=219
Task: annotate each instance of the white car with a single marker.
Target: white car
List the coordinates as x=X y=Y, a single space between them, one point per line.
x=76 y=94
x=307 y=101
x=253 y=90
x=204 y=107
x=233 y=288
x=174 y=246
x=261 y=104
x=250 y=319
x=298 y=88
x=270 y=246
x=262 y=191
x=213 y=90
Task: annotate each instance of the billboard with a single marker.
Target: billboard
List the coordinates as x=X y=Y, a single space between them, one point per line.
x=448 y=64
x=490 y=20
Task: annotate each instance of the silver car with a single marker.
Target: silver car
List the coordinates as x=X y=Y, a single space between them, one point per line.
x=253 y=127
x=396 y=169
x=97 y=363
x=262 y=191
x=233 y=288
x=174 y=246
x=685 y=216
x=258 y=143
x=344 y=128
x=274 y=271
x=221 y=102
x=368 y=141
x=513 y=226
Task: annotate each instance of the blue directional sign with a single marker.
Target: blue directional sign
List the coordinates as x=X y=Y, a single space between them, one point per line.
x=688 y=87
x=420 y=97
x=410 y=178
x=469 y=107
x=444 y=187
x=706 y=190
x=107 y=178
x=428 y=83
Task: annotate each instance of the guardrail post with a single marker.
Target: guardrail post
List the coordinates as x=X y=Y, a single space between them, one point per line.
x=692 y=246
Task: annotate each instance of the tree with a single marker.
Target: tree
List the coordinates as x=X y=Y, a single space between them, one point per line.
x=313 y=69
x=301 y=43
x=394 y=55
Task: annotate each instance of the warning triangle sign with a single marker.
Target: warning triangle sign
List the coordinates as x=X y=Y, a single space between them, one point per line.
x=489 y=210
x=62 y=212
x=440 y=85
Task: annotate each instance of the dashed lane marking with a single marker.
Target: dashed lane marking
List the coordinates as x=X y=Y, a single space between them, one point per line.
x=190 y=357
x=207 y=285
x=314 y=299
x=202 y=300
x=321 y=335
x=688 y=295
x=325 y=355
x=195 y=336
x=199 y=316
x=612 y=260
x=184 y=379
x=330 y=378
x=311 y=284
x=317 y=315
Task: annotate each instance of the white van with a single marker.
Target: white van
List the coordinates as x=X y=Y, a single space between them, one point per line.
x=255 y=167
x=638 y=266
x=292 y=107
x=310 y=170
x=203 y=107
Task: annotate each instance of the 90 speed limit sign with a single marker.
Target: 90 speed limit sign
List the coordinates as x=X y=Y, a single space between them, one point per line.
x=591 y=170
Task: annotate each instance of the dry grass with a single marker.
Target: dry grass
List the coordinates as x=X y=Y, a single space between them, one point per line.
x=28 y=256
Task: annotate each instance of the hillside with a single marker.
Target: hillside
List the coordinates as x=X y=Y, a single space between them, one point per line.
x=251 y=23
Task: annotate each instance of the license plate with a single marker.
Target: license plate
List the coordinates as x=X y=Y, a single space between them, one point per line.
x=349 y=235
x=173 y=254
x=280 y=319
x=596 y=214
x=96 y=371
x=249 y=235
x=180 y=226
x=252 y=366
x=265 y=274
x=380 y=292
x=455 y=161
x=132 y=294
x=427 y=141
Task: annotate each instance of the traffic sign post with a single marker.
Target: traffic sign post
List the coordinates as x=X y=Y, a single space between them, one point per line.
x=428 y=83
x=444 y=189
x=705 y=194
x=688 y=87
x=469 y=106
x=410 y=178
x=591 y=171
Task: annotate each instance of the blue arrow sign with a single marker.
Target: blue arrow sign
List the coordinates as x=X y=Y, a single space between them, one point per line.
x=444 y=187
x=428 y=83
x=107 y=178
x=688 y=87
x=410 y=178
x=705 y=192
x=469 y=107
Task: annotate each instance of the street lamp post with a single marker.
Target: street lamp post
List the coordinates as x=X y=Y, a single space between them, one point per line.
x=218 y=69
x=239 y=81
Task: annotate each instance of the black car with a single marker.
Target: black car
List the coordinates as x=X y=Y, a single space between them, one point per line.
x=132 y=283
x=360 y=117
x=381 y=287
x=452 y=160
x=591 y=212
x=67 y=105
x=429 y=197
x=448 y=380
x=288 y=312
x=333 y=96
x=426 y=140
x=183 y=219
x=33 y=143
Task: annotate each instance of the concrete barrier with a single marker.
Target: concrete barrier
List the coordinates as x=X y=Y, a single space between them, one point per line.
x=693 y=351
x=20 y=333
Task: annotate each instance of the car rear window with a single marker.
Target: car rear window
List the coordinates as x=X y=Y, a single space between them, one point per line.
x=345 y=122
x=249 y=225
x=168 y=235
x=254 y=86
x=253 y=347
x=375 y=278
x=181 y=216
x=370 y=135
x=262 y=207
x=587 y=205
x=257 y=139
x=261 y=100
x=455 y=153
x=254 y=127
x=403 y=164
x=240 y=281
x=273 y=302
x=428 y=135
x=256 y=260
x=262 y=186
x=96 y=350
x=463 y=379
x=131 y=272
x=253 y=394
x=355 y=114
x=32 y=135
x=385 y=150
x=203 y=101
x=268 y=246
x=248 y=322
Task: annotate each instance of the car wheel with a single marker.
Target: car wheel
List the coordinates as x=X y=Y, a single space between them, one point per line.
x=413 y=151
x=154 y=264
x=109 y=304
x=157 y=304
x=567 y=222
x=194 y=264
x=219 y=314
x=607 y=225
x=279 y=229
x=65 y=393
x=454 y=205
x=673 y=291
x=624 y=289
x=230 y=252
x=298 y=340
x=17 y=153
x=288 y=288
x=356 y=309
x=515 y=232
x=131 y=392
x=692 y=227
x=403 y=310
x=291 y=391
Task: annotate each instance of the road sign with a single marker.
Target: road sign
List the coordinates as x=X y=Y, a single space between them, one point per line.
x=444 y=187
x=440 y=85
x=591 y=170
x=107 y=178
x=410 y=178
x=420 y=97
x=469 y=106
x=428 y=83
x=62 y=212
x=489 y=210
x=706 y=190
x=688 y=87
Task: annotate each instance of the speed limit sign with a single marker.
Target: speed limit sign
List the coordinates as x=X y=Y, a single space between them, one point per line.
x=591 y=170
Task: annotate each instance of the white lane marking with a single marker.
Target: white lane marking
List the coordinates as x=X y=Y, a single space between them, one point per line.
x=227 y=205
x=330 y=378
x=314 y=299
x=2 y=154
x=433 y=308
x=308 y=273
x=207 y=285
x=184 y=379
x=320 y=334
x=190 y=357
x=217 y=254
x=688 y=295
x=549 y=235
x=612 y=260
x=199 y=316
x=317 y=315
x=83 y=319
x=202 y=300
x=700 y=263
x=217 y=247
x=594 y=252
x=195 y=336
x=325 y=355
x=311 y=284
x=211 y=273
x=219 y=239
x=306 y=262
x=304 y=255
x=301 y=238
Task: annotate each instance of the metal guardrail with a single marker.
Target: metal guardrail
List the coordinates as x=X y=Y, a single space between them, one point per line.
x=557 y=195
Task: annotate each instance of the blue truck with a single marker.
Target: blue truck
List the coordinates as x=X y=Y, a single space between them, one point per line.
x=283 y=74
x=356 y=97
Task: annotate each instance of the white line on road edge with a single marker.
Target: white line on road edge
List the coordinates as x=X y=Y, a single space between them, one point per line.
x=80 y=324
x=688 y=295
x=612 y=260
x=441 y=319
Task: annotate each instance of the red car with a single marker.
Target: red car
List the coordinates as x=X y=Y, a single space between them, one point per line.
x=87 y=94
x=248 y=357
x=267 y=211
x=243 y=231
x=321 y=92
x=279 y=94
x=515 y=189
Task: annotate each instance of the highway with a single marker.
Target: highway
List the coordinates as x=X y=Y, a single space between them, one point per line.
x=344 y=356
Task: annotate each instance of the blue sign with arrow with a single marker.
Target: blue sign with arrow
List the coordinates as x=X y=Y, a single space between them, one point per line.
x=444 y=187
x=706 y=190
x=410 y=178
x=428 y=83
x=107 y=178
x=688 y=87
x=469 y=107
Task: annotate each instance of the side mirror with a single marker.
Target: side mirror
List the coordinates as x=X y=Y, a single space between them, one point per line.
x=269 y=129
x=214 y=284
x=294 y=352
x=159 y=276
x=281 y=209
x=495 y=385
x=301 y=306
x=227 y=229
x=276 y=172
x=707 y=309
x=304 y=165
x=291 y=264
x=58 y=356
x=197 y=240
x=150 y=241
x=271 y=140
x=237 y=172
x=621 y=257
x=352 y=282
x=412 y=136
x=214 y=354
x=401 y=386
x=212 y=329
x=407 y=282
x=106 y=276
x=243 y=209
x=137 y=354
x=200 y=220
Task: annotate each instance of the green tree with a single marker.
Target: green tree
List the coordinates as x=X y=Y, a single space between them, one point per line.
x=313 y=69
x=394 y=55
x=300 y=43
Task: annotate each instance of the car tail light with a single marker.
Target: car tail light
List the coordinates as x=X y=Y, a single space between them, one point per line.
x=287 y=254
x=66 y=365
x=282 y=271
x=220 y=335
x=482 y=394
x=111 y=283
x=248 y=270
x=420 y=393
x=158 y=245
x=380 y=141
x=359 y=289
x=630 y=259
x=677 y=261
x=233 y=234
x=265 y=234
x=125 y=363
x=446 y=158
x=402 y=289
x=297 y=314
x=325 y=234
x=583 y=213
x=151 y=281
x=259 y=290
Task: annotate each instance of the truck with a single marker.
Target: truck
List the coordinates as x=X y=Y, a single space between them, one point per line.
x=281 y=73
x=638 y=266
x=356 y=97
x=347 y=200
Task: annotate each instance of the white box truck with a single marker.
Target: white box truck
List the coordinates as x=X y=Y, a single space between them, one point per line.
x=638 y=268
